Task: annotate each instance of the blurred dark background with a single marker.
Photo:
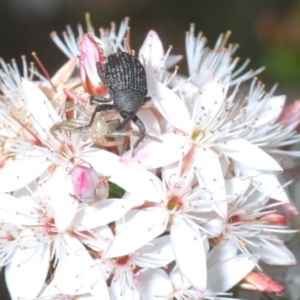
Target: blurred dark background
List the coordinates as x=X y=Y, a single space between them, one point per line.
x=268 y=31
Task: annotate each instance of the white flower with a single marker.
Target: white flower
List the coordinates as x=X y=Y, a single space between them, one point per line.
x=180 y=209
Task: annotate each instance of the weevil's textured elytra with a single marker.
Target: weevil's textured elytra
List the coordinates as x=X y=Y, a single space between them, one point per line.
x=125 y=78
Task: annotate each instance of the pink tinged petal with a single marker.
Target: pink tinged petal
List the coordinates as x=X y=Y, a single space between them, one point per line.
x=16 y=173
x=138 y=182
x=210 y=176
x=105 y=211
x=80 y=270
x=152 y=51
x=249 y=155
x=39 y=106
x=189 y=252
x=223 y=251
x=90 y=54
x=157 y=253
x=152 y=154
x=144 y=227
x=27 y=272
x=273 y=252
x=260 y=282
x=290 y=115
x=154 y=285
x=64 y=73
x=223 y=276
x=169 y=104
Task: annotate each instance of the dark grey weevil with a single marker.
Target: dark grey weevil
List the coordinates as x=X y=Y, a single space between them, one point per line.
x=125 y=77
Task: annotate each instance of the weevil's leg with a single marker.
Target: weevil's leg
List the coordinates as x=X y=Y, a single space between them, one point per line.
x=142 y=130
x=97 y=109
x=127 y=117
x=101 y=72
x=146 y=99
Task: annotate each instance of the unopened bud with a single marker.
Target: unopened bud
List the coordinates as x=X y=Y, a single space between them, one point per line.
x=88 y=185
x=260 y=282
x=274 y=219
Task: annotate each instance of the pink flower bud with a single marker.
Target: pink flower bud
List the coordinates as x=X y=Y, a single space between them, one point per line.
x=291 y=114
x=260 y=282
x=88 y=185
x=274 y=219
x=90 y=53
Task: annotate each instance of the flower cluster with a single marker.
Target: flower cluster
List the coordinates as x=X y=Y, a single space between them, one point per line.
x=194 y=211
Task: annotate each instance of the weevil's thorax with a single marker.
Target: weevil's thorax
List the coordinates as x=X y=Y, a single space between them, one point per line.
x=127 y=100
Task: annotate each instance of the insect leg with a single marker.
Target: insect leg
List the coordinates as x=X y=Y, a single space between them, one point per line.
x=142 y=130
x=127 y=117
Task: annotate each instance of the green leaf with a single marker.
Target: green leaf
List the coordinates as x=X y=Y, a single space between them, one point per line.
x=115 y=191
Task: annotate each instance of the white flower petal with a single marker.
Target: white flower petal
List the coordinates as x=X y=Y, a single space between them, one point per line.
x=27 y=272
x=39 y=105
x=150 y=121
x=122 y=291
x=227 y=274
x=270 y=111
x=210 y=176
x=179 y=281
x=273 y=252
x=80 y=270
x=173 y=60
x=223 y=251
x=154 y=285
x=136 y=181
x=157 y=253
x=169 y=104
x=152 y=50
x=105 y=211
x=268 y=184
x=236 y=186
x=144 y=227
x=60 y=190
x=16 y=174
x=250 y=155
x=16 y=211
x=153 y=155
x=189 y=252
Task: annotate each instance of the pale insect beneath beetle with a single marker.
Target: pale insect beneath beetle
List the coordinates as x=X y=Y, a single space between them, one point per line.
x=102 y=128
